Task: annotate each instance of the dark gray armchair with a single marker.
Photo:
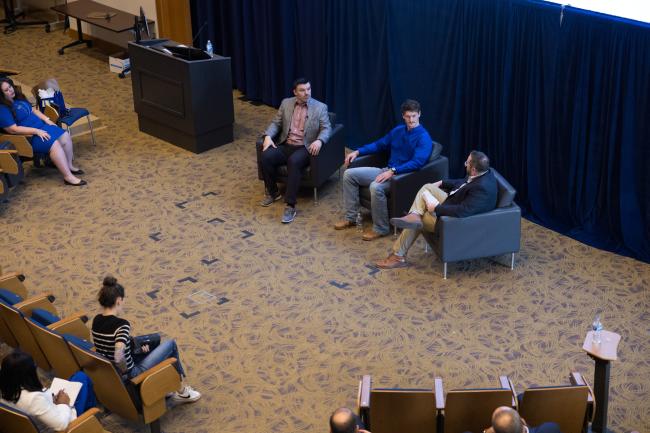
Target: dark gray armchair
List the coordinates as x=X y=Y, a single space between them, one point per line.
x=321 y=167
x=484 y=235
x=403 y=187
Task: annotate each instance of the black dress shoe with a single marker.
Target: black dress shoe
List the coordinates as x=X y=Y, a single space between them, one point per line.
x=81 y=183
x=77 y=172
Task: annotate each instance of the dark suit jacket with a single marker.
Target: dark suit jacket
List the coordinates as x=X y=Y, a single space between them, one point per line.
x=478 y=196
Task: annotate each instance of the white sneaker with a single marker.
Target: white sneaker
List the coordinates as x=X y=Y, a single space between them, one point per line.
x=189 y=395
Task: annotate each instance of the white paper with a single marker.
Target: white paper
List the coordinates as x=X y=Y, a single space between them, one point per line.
x=70 y=388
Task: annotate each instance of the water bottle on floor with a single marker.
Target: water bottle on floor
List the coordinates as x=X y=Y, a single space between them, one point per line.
x=597 y=327
x=208 y=47
x=359 y=222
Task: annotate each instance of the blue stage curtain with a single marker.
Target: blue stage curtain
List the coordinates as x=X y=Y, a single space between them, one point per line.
x=557 y=97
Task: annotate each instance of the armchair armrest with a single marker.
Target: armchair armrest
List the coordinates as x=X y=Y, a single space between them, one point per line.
x=329 y=159
x=86 y=423
x=483 y=235
x=158 y=367
x=506 y=383
x=21 y=144
x=73 y=325
x=7 y=162
x=405 y=186
x=373 y=160
x=440 y=394
x=40 y=301
x=13 y=281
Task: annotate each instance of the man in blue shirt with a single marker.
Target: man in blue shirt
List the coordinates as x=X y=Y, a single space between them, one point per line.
x=409 y=147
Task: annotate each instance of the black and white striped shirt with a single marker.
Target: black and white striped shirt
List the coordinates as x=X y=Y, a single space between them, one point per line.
x=109 y=330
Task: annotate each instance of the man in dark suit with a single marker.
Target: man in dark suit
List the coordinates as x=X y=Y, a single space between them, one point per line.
x=302 y=125
x=507 y=420
x=474 y=194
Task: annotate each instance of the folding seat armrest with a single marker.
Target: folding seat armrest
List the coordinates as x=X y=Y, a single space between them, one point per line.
x=43 y=301
x=577 y=379
x=13 y=281
x=73 y=325
x=7 y=162
x=506 y=383
x=440 y=393
x=86 y=423
x=157 y=382
x=21 y=144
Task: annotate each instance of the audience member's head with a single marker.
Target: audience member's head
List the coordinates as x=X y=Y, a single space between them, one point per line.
x=479 y=161
x=18 y=372
x=110 y=292
x=506 y=420
x=343 y=420
x=9 y=92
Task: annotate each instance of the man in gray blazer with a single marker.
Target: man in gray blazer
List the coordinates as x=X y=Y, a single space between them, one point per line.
x=304 y=127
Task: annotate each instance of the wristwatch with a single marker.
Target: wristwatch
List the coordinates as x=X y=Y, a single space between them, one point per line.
x=394 y=170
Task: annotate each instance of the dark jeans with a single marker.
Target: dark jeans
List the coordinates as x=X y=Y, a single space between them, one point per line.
x=295 y=158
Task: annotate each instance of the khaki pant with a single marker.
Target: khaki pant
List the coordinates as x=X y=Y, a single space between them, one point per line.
x=419 y=206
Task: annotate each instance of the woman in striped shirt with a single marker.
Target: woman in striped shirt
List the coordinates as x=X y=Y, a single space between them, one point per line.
x=112 y=338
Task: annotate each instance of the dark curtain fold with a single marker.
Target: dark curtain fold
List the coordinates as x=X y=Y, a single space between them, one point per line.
x=558 y=98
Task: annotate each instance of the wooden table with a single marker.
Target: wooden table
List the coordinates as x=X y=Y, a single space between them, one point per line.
x=119 y=22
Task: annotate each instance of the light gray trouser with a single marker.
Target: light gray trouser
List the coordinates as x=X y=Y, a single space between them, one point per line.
x=365 y=176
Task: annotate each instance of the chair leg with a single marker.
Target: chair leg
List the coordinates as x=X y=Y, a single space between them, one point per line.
x=315 y=196
x=444 y=270
x=512 y=261
x=394 y=230
x=90 y=126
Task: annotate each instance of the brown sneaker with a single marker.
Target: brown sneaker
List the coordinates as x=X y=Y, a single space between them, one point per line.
x=344 y=224
x=371 y=235
x=410 y=221
x=392 y=262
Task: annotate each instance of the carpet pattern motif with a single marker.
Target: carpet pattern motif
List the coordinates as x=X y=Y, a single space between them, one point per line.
x=277 y=323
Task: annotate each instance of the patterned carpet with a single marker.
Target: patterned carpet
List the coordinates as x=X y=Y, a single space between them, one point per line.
x=276 y=324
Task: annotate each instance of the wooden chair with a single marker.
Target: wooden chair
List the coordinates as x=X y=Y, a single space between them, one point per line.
x=143 y=400
x=52 y=343
x=471 y=409
x=565 y=405
x=13 y=282
x=14 y=318
x=428 y=411
x=397 y=410
x=11 y=170
x=13 y=421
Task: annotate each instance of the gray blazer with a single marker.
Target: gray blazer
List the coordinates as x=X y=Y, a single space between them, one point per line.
x=317 y=124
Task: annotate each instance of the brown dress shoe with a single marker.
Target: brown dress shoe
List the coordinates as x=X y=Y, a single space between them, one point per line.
x=371 y=235
x=410 y=221
x=344 y=224
x=392 y=262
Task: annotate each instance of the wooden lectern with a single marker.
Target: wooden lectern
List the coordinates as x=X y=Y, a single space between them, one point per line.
x=603 y=353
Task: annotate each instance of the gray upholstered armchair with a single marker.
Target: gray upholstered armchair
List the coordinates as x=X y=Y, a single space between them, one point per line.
x=403 y=187
x=484 y=235
x=321 y=167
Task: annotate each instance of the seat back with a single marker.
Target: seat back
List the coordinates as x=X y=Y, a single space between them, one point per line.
x=15 y=321
x=471 y=409
x=505 y=192
x=5 y=334
x=54 y=348
x=109 y=388
x=13 y=420
x=402 y=410
x=564 y=405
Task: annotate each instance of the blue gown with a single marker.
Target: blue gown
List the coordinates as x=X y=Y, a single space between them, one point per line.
x=25 y=117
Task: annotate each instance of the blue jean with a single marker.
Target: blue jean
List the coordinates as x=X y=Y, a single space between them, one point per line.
x=86 y=398
x=166 y=349
x=365 y=177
